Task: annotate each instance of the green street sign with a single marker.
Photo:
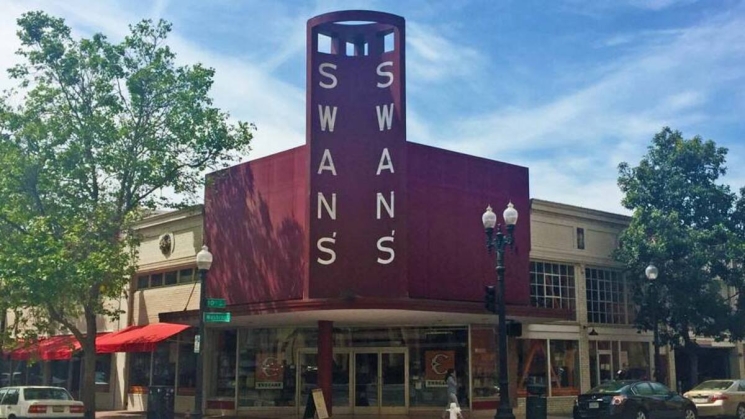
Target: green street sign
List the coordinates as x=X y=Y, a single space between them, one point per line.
x=216 y=303
x=217 y=317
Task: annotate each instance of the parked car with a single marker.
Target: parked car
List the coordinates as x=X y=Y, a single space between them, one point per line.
x=631 y=399
x=38 y=402
x=719 y=398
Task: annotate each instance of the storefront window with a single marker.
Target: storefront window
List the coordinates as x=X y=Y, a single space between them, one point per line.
x=266 y=367
x=484 y=363
x=103 y=372
x=164 y=364
x=59 y=371
x=432 y=351
x=139 y=371
x=224 y=363
x=634 y=361
x=531 y=364
x=564 y=368
x=187 y=364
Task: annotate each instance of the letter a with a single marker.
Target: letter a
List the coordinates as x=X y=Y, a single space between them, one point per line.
x=385 y=162
x=327 y=163
x=328 y=117
x=385 y=117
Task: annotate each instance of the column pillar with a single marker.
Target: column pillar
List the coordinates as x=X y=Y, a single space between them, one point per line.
x=325 y=360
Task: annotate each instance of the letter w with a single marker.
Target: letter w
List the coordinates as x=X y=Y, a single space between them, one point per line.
x=327 y=117
x=385 y=117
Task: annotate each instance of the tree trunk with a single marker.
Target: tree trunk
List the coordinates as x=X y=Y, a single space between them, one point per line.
x=88 y=386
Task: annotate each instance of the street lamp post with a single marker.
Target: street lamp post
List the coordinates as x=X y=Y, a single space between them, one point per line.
x=497 y=241
x=204 y=262
x=651 y=272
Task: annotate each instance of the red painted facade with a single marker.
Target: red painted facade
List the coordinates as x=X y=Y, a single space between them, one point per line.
x=358 y=211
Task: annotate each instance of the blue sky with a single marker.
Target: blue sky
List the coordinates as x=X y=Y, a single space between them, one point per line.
x=567 y=88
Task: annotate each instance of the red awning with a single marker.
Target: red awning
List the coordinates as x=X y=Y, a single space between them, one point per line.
x=138 y=338
x=53 y=348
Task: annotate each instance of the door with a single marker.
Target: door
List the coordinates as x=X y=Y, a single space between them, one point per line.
x=605 y=366
x=365 y=381
x=380 y=377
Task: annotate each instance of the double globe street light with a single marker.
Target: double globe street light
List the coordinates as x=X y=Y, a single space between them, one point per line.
x=496 y=240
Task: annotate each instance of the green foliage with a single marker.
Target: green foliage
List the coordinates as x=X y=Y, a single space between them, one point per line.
x=685 y=222
x=89 y=139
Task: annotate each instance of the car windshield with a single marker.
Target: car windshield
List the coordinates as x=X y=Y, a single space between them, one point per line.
x=46 y=394
x=714 y=385
x=609 y=387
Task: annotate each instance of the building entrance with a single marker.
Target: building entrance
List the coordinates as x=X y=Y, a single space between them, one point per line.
x=365 y=380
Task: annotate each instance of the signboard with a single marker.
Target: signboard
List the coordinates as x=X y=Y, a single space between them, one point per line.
x=269 y=371
x=217 y=317
x=215 y=303
x=438 y=363
x=356 y=132
x=316 y=405
x=197 y=344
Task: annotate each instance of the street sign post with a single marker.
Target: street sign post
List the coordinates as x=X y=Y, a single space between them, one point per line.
x=215 y=303
x=217 y=317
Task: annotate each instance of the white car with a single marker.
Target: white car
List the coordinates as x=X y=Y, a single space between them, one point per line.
x=38 y=402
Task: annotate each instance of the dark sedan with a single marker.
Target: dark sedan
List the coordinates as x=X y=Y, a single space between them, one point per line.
x=633 y=400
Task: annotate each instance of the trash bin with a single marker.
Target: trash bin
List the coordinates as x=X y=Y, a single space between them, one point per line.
x=160 y=400
x=535 y=404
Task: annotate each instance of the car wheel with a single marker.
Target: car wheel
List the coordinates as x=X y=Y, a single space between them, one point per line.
x=741 y=411
x=690 y=414
x=640 y=414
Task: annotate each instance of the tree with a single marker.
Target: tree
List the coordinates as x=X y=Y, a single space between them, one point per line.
x=686 y=223
x=92 y=134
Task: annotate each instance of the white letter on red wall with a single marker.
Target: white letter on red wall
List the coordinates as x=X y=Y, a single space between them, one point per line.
x=328 y=117
x=323 y=203
x=385 y=74
x=329 y=251
x=329 y=75
x=385 y=116
x=385 y=162
x=327 y=163
x=389 y=250
x=389 y=208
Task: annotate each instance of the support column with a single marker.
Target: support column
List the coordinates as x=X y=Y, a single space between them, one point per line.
x=325 y=360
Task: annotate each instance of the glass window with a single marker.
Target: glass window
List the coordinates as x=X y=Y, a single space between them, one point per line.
x=606 y=296
x=484 y=362
x=580 y=238
x=659 y=389
x=432 y=351
x=187 y=364
x=59 y=371
x=223 y=363
x=171 y=278
x=531 y=364
x=552 y=285
x=266 y=370
x=634 y=361
x=643 y=389
x=164 y=364
x=564 y=368
x=11 y=397
x=186 y=275
x=156 y=280
x=103 y=372
x=46 y=394
x=139 y=371
x=143 y=282
x=35 y=374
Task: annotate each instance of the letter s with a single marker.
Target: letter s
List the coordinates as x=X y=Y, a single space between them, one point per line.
x=334 y=81
x=390 y=251
x=385 y=74
x=326 y=250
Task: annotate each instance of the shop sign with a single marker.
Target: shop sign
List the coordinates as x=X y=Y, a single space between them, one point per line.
x=438 y=363
x=269 y=372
